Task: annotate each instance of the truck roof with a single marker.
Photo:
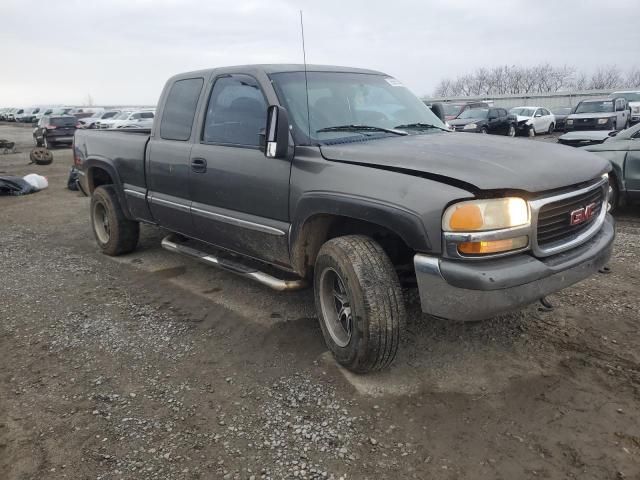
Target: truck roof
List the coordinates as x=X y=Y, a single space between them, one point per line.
x=278 y=68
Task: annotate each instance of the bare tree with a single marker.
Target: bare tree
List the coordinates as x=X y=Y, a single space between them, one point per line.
x=633 y=78
x=579 y=82
x=605 y=78
x=542 y=78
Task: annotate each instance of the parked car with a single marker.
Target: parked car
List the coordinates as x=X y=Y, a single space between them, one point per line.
x=85 y=112
x=27 y=115
x=533 y=120
x=623 y=151
x=144 y=123
x=91 y=122
x=485 y=120
x=633 y=98
x=360 y=189
x=52 y=111
x=133 y=118
x=452 y=110
x=109 y=122
x=4 y=112
x=599 y=114
x=11 y=117
x=54 y=130
x=561 y=114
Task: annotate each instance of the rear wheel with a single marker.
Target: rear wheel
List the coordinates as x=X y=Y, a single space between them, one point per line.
x=115 y=233
x=552 y=127
x=359 y=303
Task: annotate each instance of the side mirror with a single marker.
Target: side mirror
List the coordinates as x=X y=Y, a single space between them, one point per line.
x=277 y=132
x=438 y=111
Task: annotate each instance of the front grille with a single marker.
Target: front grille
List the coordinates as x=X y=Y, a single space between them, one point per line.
x=554 y=219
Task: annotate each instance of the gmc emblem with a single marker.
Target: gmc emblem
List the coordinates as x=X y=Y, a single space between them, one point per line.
x=581 y=215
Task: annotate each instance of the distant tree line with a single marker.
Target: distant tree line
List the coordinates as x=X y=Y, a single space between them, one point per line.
x=543 y=78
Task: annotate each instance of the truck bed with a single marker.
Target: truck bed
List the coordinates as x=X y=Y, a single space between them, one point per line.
x=123 y=148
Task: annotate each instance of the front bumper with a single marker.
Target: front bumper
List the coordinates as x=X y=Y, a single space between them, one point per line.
x=467 y=291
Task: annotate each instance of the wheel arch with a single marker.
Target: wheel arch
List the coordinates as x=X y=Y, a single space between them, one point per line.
x=100 y=171
x=399 y=231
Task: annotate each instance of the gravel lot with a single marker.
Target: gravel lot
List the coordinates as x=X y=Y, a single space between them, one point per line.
x=150 y=366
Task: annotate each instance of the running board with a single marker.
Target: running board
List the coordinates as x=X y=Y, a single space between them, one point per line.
x=173 y=244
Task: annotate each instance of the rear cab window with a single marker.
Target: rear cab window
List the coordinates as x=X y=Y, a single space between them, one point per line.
x=180 y=109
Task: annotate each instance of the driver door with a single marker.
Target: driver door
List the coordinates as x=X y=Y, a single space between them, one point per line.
x=240 y=197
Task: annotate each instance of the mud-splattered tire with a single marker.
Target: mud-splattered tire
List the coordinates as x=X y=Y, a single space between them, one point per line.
x=40 y=156
x=114 y=233
x=354 y=275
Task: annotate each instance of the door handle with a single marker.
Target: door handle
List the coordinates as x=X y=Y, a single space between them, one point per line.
x=199 y=165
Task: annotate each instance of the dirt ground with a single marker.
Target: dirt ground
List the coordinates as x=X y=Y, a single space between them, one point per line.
x=150 y=366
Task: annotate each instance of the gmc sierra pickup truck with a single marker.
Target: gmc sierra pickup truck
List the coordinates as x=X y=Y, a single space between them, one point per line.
x=342 y=178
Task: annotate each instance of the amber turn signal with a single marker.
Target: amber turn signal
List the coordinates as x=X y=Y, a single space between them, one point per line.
x=493 y=246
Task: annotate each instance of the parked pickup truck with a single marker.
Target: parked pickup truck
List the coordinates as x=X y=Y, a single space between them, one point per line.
x=343 y=178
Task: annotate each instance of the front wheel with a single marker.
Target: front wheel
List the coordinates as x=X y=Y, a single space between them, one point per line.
x=532 y=131
x=511 y=132
x=484 y=130
x=114 y=232
x=359 y=303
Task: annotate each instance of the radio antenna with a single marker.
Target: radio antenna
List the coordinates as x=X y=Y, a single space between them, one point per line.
x=306 y=82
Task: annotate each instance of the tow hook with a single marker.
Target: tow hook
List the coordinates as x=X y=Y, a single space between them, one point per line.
x=605 y=270
x=547 y=306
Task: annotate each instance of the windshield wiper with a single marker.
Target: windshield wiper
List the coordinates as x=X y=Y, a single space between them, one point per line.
x=361 y=128
x=418 y=126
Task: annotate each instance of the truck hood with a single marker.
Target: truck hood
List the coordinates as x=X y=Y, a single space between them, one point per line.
x=475 y=162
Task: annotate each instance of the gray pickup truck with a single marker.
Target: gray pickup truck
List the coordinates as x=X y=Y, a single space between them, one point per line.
x=343 y=178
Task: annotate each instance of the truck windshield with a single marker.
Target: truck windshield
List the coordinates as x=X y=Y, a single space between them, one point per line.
x=595 y=107
x=337 y=99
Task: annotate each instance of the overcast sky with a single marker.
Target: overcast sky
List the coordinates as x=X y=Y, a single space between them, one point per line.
x=122 y=51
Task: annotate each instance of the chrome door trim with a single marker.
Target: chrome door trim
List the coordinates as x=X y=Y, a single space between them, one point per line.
x=237 y=222
x=135 y=193
x=168 y=203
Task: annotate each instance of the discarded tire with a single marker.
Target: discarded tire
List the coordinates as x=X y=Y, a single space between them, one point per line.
x=41 y=156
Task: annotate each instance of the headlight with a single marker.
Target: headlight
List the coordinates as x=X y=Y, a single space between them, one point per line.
x=569 y=122
x=480 y=227
x=636 y=109
x=602 y=121
x=479 y=215
x=470 y=126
